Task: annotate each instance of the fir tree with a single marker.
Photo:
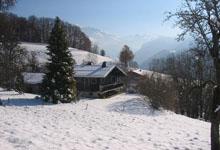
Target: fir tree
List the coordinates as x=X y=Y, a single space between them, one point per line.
x=58 y=83
x=102 y=52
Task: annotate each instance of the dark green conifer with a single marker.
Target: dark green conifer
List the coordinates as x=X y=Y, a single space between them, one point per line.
x=59 y=83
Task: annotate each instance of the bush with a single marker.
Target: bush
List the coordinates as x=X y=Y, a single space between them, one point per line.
x=160 y=90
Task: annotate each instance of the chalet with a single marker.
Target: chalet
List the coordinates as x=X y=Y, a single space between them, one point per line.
x=136 y=76
x=92 y=80
x=32 y=82
x=99 y=80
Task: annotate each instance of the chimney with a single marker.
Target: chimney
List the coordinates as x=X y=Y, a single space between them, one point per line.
x=89 y=63
x=104 y=64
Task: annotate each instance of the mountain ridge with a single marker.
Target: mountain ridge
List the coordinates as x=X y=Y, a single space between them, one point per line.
x=158 y=45
x=112 y=43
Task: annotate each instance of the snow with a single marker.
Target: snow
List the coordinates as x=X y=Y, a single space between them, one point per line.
x=94 y=71
x=119 y=123
x=89 y=71
x=33 y=78
x=79 y=55
x=217 y=109
x=142 y=72
x=149 y=73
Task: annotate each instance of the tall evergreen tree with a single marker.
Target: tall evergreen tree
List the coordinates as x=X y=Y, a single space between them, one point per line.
x=58 y=83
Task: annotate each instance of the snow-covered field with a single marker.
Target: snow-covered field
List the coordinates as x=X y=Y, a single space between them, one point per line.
x=123 y=122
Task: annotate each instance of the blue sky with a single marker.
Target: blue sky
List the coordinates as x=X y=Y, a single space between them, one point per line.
x=120 y=17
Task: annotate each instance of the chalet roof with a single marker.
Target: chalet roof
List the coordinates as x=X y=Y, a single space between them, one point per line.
x=141 y=72
x=83 y=71
x=149 y=73
x=94 y=71
x=33 y=78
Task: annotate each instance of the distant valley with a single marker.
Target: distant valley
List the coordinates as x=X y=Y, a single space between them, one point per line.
x=145 y=47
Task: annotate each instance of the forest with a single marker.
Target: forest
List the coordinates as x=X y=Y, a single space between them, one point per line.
x=37 y=30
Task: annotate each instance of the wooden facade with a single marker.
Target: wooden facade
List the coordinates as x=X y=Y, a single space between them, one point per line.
x=101 y=86
x=133 y=79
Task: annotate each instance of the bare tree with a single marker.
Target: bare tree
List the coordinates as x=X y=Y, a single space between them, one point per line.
x=6 y=4
x=95 y=49
x=11 y=56
x=126 y=55
x=190 y=70
x=33 y=62
x=201 y=19
x=91 y=58
x=160 y=90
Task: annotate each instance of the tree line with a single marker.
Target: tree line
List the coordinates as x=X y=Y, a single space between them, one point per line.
x=37 y=30
x=201 y=19
x=13 y=29
x=189 y=70
x=197 y=73
x=183 y=82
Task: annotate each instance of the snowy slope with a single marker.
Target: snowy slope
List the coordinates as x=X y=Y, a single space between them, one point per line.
x=78 y=55
x=123 y=122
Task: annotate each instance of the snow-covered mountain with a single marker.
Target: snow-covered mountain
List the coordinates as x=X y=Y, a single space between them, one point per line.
x=160 y=46
x=113 y=43
x=136 y=41
x=160 y=54
x=109 y=42
x=79 y=55
x=144 y=46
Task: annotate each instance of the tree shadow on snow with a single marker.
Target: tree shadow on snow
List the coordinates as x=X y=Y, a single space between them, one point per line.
x=23 y=102
x=134 y=107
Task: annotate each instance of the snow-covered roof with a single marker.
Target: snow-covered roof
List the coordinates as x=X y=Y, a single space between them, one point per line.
x=141 y=72
x=94 y=71
x=149 y=73
x=33 y=78
x=83 y=71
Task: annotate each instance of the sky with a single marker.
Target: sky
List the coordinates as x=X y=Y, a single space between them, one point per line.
x=120 y=17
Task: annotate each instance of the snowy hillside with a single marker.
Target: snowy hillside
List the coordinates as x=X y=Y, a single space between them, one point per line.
x=78 y=55
x=123 y=122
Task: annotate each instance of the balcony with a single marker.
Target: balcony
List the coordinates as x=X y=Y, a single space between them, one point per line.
x=110 y=87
